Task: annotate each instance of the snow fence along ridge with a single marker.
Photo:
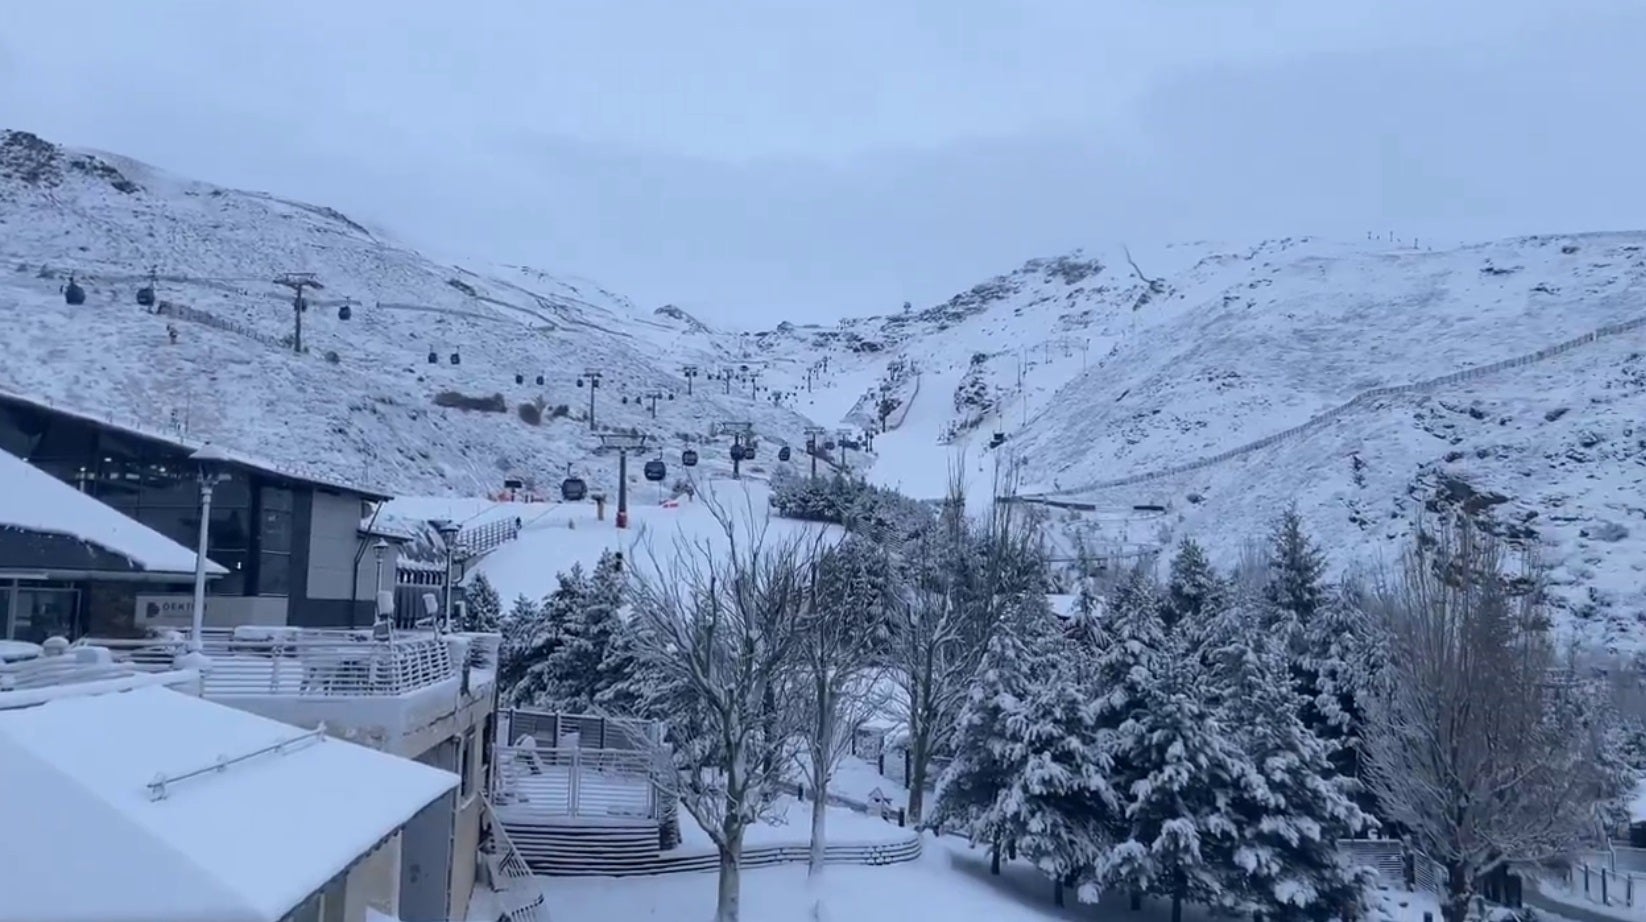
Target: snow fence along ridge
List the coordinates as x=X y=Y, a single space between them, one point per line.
x=1359 y=400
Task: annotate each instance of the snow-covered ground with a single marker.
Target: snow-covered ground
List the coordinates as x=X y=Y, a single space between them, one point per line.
x=565 y=534
x=950 y=881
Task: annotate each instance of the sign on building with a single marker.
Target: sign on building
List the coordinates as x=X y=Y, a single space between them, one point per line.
x=164 y=611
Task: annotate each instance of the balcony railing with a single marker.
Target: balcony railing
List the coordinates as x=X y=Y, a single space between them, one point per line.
x=301 y=662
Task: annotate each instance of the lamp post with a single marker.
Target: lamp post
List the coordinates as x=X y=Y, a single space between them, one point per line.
x=209 y=461
x=448 y=533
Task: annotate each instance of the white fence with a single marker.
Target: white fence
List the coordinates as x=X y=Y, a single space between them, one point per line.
x=1360 y=400
x=530 y=784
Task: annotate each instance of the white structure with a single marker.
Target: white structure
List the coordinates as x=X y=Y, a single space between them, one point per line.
x=127 y=800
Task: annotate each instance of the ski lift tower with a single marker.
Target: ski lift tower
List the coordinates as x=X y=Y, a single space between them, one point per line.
x=740 y=431
x=297 y=281
x=623 y=443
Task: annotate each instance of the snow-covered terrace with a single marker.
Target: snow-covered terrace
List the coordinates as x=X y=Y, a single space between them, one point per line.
x=345 y=678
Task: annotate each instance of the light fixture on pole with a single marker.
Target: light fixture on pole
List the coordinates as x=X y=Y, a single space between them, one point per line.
x=448 y=534
x=210 y=462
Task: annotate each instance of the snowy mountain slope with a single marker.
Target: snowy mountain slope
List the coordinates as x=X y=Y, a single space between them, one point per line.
x=359 y=404
x=1095 y=369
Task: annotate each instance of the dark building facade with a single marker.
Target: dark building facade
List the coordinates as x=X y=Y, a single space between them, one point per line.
x=292 y=546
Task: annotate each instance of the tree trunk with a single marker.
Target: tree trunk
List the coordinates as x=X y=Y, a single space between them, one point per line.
x=918 y=757
x=1177 y=907
x=1460 y=891
x=822 y=750
x=728 y=900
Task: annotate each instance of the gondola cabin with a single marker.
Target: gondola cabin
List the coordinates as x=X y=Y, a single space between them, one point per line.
x=748 y=452
x=145 y=296
x=783 y=453
x=345 y=312
x=689 y=457
x=573 y=489
x=73 y=293
x=457 y=359
x=737 y=453
x=655 y=470
x=539 y=380
x=520 y=379
x=434 y=358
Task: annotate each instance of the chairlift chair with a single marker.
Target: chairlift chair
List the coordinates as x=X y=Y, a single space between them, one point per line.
x=689 y=457
x=573 y=489
x=655 y=470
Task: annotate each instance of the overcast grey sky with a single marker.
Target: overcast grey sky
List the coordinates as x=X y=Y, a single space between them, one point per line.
x=760 y=159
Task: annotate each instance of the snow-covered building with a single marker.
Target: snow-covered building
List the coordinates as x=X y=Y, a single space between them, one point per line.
x=127 y=800
x=290 y=542
x=59 y=545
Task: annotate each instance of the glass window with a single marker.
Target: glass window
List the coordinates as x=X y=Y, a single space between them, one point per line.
x=43 y=613
x=179 y=524
x=228 y=529
x=273 y=574
x=235 y=582
x=274 y=531
x=277 y=498
x=232 y=492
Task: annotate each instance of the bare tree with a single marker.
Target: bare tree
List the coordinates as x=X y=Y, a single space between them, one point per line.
x=716 y=634
x=1476 y=739
x=838 y=651
x=962 y=575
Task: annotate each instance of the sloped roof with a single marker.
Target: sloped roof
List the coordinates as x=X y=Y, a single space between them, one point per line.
x=87 y=841
x=34 y=501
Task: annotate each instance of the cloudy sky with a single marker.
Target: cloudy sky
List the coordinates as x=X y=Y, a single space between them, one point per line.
x=756 y=159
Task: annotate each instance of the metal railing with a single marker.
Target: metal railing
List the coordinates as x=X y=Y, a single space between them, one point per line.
x=297 y=662
x=70 y=667
x=549 y=730
x=488 y=536
x=519 y=891
x=574 y=782
x=1592 y=879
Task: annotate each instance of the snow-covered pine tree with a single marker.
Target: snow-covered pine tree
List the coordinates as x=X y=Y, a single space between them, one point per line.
x=524 y=638
x=1296 y=585
x=1195 y=591
x=1178 y=764
x=1285 y=862
x=1061 y=806
x=538 y=684
x=584 y=664
x=482 y=609
x=987 y=754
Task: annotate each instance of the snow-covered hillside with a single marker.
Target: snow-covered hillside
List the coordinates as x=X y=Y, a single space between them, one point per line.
x=360 y=404
x=1102 y=373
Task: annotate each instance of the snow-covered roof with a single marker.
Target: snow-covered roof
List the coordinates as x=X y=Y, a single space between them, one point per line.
x=86 y=841
x=34 y=500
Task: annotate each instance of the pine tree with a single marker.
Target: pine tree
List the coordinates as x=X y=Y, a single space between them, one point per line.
x=544 y=659
x=1195 y=591
x=1178 y=766
x=1061 y=804
x=1297 y=570
x=523 y=637
x=986 y=757
x=587 y=663
x=1291 y=812
x=482 y=609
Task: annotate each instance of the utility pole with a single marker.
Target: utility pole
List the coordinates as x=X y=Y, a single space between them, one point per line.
x=813 y=433
x=592 y=378
x=297 y=281
x=652 y=397
x=739 y=431
x=624 y=444
x=689 y=372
